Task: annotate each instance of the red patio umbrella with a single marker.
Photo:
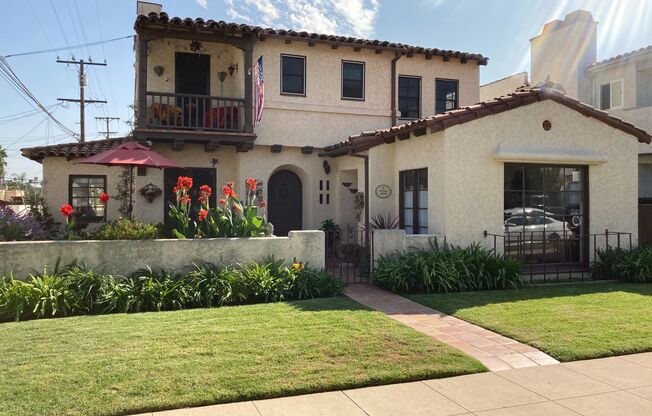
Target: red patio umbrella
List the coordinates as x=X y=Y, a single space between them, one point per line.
x=131 y=154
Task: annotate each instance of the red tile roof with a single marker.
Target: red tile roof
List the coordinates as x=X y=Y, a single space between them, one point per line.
x=523 y=96
x=620 y=57
x=164 y=20
x=73 y=150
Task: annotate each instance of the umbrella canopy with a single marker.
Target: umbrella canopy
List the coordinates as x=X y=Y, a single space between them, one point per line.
x=131 y=154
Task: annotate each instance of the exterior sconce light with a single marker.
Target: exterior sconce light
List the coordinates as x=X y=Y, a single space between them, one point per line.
x=221 y=76
x=347 y=184
x=196 y=46
x=232 y=68
x=327 y=167
x=158 y=70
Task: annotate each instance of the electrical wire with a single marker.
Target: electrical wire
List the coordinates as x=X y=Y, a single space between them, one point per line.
x=63 y=48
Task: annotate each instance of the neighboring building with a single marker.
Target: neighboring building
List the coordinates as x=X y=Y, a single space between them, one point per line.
x=427 y=154
x=503 y=86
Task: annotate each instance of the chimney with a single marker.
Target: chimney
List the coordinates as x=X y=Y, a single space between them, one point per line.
x=145 y=8
x=563 y=50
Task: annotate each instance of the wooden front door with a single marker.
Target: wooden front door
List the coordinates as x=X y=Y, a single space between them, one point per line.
x=284 y=194
x=192 y=78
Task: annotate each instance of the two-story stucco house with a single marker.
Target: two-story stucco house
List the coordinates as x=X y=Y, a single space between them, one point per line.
x=398 y=125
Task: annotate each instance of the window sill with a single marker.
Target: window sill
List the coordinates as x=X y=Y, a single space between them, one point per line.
x=352 y=99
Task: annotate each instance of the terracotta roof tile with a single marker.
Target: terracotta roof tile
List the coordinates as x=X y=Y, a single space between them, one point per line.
x=162 y=19
x=620 y=57
x=523 y=96
x=73 y=150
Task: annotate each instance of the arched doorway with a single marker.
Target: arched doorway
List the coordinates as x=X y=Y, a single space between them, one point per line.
x=284 y=195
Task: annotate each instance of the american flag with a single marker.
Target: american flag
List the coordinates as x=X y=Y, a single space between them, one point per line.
x=260 y=91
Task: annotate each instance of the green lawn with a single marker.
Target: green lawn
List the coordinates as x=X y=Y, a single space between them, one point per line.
x=569 y=322
x=117 y=364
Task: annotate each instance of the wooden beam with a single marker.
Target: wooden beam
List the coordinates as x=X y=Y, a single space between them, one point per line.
x=446 y=58
x=307 y=150
x=357 y=49
x=276 y=148
x=141 y=95
x=420 y=131
x=249 y=88
x=334 y=46
x=288 y=41
x=211 y=146
x=177 y=144
x=428 y=57
x=379 y=51
x=244 y=147
x=311 y=44
x=404 y=135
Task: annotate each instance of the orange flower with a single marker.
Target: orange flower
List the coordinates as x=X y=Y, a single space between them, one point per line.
x=251 y=184
x=184 y=182
x=228 y=191
x=201 y=216
x=206 y=190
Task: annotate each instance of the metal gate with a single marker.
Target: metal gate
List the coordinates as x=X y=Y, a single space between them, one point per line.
x=349 y=253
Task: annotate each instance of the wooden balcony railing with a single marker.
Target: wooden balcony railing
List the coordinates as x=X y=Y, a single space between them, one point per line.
x=195 y=112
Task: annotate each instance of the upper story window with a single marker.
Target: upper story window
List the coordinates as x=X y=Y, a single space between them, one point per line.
x=644 y=87
x=446 y=91
x=293 y=74
x=611 y=95
x=409 y=97
x=84 y=196
x=352 y=80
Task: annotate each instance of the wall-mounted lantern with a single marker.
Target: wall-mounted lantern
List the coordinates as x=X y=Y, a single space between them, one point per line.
x=150 y=192
x=158 y=70
x=232 y=68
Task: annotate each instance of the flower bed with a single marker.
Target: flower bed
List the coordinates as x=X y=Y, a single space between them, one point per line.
x=80 y=290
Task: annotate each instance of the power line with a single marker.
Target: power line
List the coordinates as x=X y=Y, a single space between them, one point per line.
x=8 y=73
x=63 y=48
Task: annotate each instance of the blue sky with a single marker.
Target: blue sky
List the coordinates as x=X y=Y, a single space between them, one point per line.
x=499 y=29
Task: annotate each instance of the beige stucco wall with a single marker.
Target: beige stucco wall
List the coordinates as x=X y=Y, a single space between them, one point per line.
x=124 y=257
x=502 y=86
x=465 y=181
x=161 y=52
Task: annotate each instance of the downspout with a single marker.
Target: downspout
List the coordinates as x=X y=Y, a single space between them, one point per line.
x=393 y=83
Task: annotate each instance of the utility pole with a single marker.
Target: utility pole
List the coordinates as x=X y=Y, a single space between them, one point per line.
x=108 y=120
x=82 y=101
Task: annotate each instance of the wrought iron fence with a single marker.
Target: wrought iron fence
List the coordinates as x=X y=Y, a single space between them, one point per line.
x=201 y=112
x=557 y=257
x=349 y=253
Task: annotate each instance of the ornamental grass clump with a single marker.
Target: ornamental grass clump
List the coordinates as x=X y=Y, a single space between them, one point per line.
x=80 y=290
x=628 y=265
x=446 y=269
x=233 y=217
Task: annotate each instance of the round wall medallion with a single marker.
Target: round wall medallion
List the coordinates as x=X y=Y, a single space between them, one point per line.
x=547 y=125
x=383 y=191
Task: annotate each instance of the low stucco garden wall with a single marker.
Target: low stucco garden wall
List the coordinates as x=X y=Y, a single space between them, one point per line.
x=391 y=241
x=123 y=257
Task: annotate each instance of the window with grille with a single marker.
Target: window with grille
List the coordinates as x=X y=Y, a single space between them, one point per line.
x=353 y=80
x=293 y=75
x=409 y=97
x=446 y=99
x=413 y=200
x=84 y=196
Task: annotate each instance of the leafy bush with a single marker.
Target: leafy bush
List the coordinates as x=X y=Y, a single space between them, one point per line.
x=79 y=290
x=446 y=269
x=628 y=265
x=125 y=229
x=21 y=227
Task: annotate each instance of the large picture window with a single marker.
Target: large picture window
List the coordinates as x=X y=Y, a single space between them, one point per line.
x=413 y=201
x=545 y=213
x=352 y=80
x=84 y=196
x=409 y=97
x=293 y=75
x=446 y=91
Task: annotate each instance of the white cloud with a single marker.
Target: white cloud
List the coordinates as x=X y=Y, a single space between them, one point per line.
x=202 y=3
x=341 y=17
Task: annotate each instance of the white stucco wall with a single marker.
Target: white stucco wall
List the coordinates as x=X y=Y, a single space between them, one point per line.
x=124 y=257
x=502 y=86
x=466 y=182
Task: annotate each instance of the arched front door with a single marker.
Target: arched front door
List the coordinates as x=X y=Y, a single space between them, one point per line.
x=284 y=197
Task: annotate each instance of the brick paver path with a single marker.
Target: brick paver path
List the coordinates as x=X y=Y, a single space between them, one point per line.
x=493 y=350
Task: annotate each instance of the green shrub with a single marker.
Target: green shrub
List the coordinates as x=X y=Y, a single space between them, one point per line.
x=446 y=269
x=628 y=265
x=125 y=229
x=80 y=290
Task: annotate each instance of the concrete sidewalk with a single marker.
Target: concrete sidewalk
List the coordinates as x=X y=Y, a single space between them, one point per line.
x=618 y=386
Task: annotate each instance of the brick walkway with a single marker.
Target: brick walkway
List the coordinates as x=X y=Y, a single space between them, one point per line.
x=495 y=351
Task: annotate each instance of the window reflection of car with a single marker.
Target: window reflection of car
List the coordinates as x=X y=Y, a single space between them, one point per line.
x=527 y=211
x=535 y=227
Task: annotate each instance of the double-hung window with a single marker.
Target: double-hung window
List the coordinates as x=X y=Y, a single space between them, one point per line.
x=352 y=80
x=84 y=196
x=413 y=201
x=293 y=75
x=409 y=97
x=446 y=91
x=611 y=95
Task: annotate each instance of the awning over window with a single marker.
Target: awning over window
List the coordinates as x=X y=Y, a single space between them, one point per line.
x=548 y=154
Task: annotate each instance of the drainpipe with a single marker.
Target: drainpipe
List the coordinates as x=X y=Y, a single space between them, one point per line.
x=393 y=83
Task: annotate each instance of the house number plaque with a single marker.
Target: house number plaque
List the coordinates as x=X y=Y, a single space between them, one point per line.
x=383 y=191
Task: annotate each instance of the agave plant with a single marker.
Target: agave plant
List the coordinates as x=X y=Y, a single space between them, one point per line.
x=384 y=222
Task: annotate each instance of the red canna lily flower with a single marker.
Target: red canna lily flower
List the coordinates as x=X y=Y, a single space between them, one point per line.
x=184 y=182
x=66 y=210
x=228 y=191
x=201 y=199
x=206 y=190
x=201 y=216
x=222 y=201
x=262 y=204
x=104 y=197
x=251 y=184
